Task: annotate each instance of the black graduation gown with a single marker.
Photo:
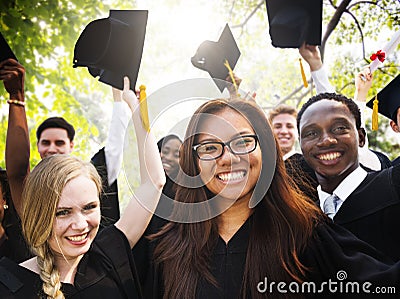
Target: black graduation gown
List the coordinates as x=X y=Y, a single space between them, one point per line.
x=396 y=161
x=385 y=161
x=107 y=270
x=164 y=207
x=109 y=196
x=372 y=211
x=303 y=175
x=14 y=247
x=330 y=250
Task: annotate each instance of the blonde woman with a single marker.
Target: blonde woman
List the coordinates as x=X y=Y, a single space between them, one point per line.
x=61 y=217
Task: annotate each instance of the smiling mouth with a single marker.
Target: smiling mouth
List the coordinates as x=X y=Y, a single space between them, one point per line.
x=78 y=238
x=166 y=165
x=231 y=176
x=329 y=156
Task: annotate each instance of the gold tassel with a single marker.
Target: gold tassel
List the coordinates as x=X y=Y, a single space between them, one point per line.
x=303 y=74
x=375 y=114
x=143 y=108
x=232 y=77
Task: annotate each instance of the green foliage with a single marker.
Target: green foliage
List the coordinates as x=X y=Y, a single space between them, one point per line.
x=379 y=141
x=42 y=35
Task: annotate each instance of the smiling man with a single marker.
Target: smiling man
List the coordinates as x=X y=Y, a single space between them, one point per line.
x=366 y=203
x=283 y=123
x=55 y=136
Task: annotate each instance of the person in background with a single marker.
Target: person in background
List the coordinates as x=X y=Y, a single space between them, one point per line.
x=283 y=121
x=61 y=219
x=169 y=146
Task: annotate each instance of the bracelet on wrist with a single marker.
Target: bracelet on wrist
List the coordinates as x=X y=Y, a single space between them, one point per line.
x=16 y=102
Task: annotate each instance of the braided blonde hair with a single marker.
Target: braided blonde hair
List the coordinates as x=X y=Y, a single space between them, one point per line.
x=41 y=195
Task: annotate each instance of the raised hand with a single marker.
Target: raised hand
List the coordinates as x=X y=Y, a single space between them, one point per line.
x=13 y=75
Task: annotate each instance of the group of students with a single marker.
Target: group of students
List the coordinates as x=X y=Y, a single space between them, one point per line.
x=267 y=231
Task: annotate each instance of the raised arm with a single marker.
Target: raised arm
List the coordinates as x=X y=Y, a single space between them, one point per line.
x=312 y=56
x=17 y=144
x=115 y=140
x=140 y=209
x=363 y=82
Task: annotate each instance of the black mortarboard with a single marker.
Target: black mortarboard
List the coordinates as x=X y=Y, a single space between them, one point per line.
x=211 y=57
x=388 y=99
x=293 y=22
x=5 y=50
x=112 y=47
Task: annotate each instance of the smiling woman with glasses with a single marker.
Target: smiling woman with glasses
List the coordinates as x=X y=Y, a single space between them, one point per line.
x=269 y=232
x=212 y=150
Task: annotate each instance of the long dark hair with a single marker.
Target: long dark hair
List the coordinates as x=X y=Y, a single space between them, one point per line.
x=281 y=223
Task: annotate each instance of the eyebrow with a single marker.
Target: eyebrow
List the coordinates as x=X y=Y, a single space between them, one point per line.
x=70 y=208
x=333 y=120
x=341 y=119
x=211 y=139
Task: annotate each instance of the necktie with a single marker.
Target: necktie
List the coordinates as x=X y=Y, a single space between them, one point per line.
x=330 y=205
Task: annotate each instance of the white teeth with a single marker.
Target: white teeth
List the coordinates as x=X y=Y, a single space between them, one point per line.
x=231 y=176
x=78 y=238
x=329 y=156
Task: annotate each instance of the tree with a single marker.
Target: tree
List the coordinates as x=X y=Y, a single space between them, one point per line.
x=357 y=23
x=42 y=34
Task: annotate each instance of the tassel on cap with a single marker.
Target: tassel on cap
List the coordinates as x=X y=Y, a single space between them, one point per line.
x=231 y=75
x=375 y=114
x=303 y=74
x=143 y=108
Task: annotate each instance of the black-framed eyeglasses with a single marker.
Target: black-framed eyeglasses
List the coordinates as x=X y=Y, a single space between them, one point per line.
x=212 y=150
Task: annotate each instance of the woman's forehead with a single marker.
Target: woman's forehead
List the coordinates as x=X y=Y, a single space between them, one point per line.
x=226 y=122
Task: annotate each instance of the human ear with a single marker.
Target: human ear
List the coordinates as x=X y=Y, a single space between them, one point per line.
x=394 y=126
x=361 y=137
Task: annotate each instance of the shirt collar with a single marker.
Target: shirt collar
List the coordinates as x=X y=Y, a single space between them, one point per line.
x=346 y=187
x=289 y=154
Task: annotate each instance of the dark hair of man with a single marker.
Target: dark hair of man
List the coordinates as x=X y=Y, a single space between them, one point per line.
x=56 y=122
x=351 y=105
x=281 y=223
x=281 y=109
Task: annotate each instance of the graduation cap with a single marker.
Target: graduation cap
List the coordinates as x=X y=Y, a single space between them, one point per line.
x=388 y=100
x=5 y=50
x=293 y=22
x=212 y=56
x=112 y=48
